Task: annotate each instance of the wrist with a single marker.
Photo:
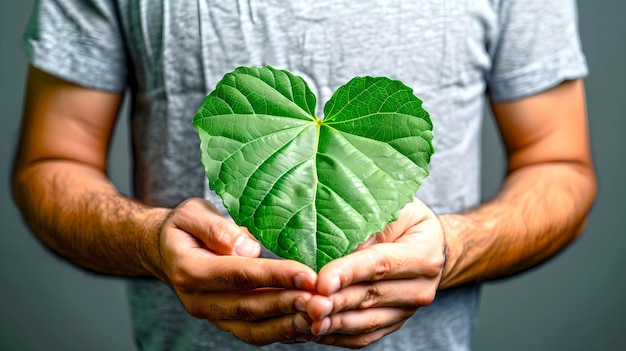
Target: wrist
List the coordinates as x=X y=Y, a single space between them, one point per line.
x=150 y=253
x=451 y=224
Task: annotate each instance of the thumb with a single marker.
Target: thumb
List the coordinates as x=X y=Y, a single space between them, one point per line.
x=411 y=213
x=199 y=218
x=246 y=245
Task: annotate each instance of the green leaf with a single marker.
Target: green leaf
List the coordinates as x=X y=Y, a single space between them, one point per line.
x=310 y=189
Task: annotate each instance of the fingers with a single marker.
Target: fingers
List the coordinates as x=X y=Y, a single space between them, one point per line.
x=286 y=329
x=372 y=291
x=201 y=273
x=405 y=293
x=361 y=321
x=245 y=305
x=218 y=234
x=212 y=265
x=356 y=341
x=346 y=329
x=382 y=262
x=357 y=329
x=199 y=250
x=411 y=247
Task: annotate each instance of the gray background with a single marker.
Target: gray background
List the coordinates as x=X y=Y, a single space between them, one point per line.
x=574 y=302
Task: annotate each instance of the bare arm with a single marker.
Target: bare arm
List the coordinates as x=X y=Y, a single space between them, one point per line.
x=59 y=180
x=546 y=196
x=60 y=184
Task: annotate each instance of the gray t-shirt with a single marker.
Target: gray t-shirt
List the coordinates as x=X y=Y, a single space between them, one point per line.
x=172 y=53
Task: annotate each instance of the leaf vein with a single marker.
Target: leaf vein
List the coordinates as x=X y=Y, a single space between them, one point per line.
x=356 y=97
x=273 y=88
x=277 y=179
x=344 y=201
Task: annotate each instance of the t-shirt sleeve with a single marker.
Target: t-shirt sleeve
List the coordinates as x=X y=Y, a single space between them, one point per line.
x=537 y=47
x=78 y=41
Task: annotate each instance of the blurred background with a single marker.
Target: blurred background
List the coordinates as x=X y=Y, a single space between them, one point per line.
x=577 y=301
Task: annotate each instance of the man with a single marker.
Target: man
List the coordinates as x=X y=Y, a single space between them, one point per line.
x=84 y=54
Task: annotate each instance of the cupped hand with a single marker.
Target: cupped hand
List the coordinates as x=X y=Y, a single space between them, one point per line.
x=374 y=290
x=213 y=266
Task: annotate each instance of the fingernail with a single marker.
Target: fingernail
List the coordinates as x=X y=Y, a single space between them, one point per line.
x=301 y=324
x=303 y=281
x=325 y=327
x=334 y=285
x=247 y=247
x=299 y=305
x=328 y=308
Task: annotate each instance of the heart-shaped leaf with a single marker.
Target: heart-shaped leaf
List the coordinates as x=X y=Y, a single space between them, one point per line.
x=311 y=189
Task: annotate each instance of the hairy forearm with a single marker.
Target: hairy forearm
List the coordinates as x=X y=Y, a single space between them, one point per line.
x=540 y=209
x=75 y=211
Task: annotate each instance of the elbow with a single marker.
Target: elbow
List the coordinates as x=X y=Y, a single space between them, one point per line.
x=588 y=192
x=27 y=192
x=18 y=186
x=24 y=193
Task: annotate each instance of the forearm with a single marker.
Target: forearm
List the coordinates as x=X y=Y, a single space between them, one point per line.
x=75 y=211
x=540 y=209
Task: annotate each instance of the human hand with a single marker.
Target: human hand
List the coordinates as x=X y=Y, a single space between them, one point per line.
x=214 y=268
x=374 y=290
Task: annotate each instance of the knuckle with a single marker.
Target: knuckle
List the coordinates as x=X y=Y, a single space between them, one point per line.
x=423 y=298
x=383 y=267
x=241 y=279
x=219 y=228
x=219 y=231
x=244 y=311
x=195 y=310
x=434 y=265
x=374 y=323
x=284 y=304
x=372 y=296
x=181 y=282
x=183 y=279
x=428 y=298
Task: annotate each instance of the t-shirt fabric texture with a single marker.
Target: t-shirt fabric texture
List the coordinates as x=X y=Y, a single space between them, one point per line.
x=171 y=53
